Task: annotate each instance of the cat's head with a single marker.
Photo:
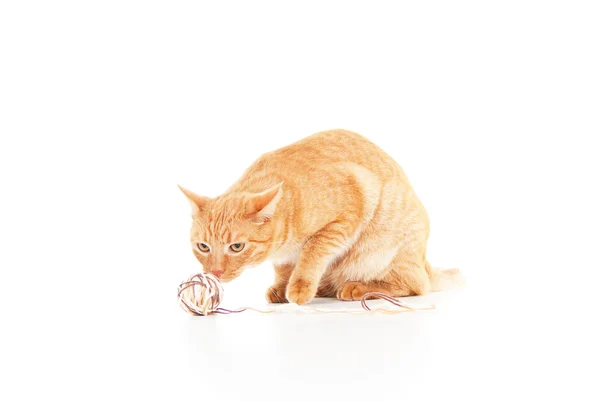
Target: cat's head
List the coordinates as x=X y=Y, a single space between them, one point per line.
x=233 y=231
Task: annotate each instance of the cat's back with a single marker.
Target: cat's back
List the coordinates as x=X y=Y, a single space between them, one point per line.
x=321 y=162
x=333 y=147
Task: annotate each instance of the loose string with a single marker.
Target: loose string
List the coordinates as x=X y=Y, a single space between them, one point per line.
x=202 y=293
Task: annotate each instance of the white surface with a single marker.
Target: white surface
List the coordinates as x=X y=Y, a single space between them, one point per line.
x=491 y=108
x=470 y=347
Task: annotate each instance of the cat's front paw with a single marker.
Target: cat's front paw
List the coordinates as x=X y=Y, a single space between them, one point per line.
x=276 y=295
x=300 y=291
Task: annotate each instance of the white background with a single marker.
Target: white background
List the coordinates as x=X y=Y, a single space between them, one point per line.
x=492 y=110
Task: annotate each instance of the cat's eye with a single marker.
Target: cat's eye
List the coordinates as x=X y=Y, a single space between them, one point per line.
x=203 y=247
x=237 y=247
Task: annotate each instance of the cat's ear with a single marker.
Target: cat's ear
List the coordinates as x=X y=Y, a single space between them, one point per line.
x=197 y=202
x=261 y=207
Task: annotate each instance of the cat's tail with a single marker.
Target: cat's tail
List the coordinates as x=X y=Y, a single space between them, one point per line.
x=444 y=279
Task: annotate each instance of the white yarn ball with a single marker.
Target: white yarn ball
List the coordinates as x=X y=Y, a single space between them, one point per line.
x=201 y=294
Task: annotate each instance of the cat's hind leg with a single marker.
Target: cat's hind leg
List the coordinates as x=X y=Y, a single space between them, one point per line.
x=404 y=279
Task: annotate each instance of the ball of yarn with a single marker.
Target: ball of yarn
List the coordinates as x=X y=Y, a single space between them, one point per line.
x=201 y=294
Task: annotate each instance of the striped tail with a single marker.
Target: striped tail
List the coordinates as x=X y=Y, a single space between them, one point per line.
x=444 y=279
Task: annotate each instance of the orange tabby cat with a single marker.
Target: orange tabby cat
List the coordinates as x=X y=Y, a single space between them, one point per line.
x=334 y=214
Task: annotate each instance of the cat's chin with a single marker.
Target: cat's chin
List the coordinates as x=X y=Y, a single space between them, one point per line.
x=228 y=279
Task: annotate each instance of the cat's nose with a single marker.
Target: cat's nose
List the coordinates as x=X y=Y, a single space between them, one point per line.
x=217 y=273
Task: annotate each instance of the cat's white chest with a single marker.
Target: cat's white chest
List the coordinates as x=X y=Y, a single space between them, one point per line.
x=288 y=254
